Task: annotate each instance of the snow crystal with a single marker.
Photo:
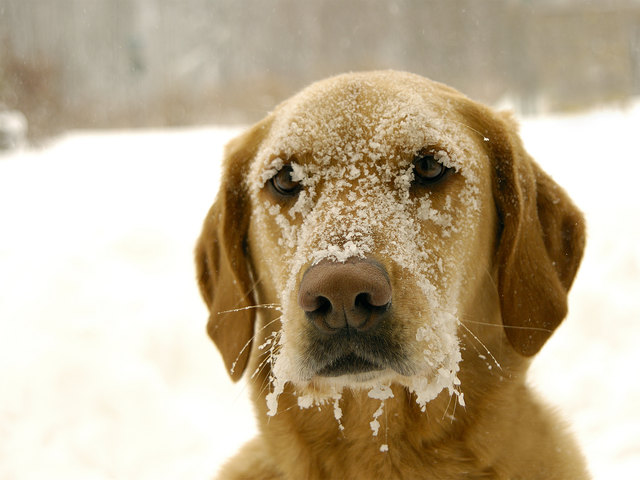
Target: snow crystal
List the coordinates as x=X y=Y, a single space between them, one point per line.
x=381 y=392
x=272 y=399
x=440 y=218
x=273 y=168
x=305 y=401
x=375 y=424
x=298 y=172
x=337 y=411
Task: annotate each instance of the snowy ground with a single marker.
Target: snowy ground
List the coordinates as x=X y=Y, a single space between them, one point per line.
x=105 y=369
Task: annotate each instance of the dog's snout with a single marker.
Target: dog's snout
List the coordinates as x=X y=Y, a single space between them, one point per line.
x=337 y=296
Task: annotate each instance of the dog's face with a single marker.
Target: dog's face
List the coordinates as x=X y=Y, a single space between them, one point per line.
x=378 y=212
x=355 y=175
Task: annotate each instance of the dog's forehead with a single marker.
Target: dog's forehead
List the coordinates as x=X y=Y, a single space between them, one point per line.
x=352 y=107
x=374 y=116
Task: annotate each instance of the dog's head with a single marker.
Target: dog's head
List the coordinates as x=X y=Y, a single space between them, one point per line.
x=378 y=212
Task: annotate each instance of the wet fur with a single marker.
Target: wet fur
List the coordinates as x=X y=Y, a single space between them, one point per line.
x=532 y=245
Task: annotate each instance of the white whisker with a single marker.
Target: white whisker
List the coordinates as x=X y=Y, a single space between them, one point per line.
x=484 y=138
x=246 y=345
x=483 y=345
x=274 y=306
x=540 y=329
x=444 y=414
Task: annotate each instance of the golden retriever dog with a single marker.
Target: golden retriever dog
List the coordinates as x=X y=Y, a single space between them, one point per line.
x=382 y=261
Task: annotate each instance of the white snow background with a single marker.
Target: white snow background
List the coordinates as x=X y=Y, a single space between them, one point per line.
x=105 y=368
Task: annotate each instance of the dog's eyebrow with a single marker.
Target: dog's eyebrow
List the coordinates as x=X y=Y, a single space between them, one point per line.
x=484 y=137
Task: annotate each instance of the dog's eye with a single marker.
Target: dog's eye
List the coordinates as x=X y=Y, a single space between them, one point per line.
x=427 y=170
x=283 y=183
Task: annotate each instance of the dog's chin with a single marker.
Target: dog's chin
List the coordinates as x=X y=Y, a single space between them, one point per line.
x=354 y=380
x=352 y=370
x=350 y=364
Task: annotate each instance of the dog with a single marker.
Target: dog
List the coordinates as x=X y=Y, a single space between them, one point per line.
x=382 y=261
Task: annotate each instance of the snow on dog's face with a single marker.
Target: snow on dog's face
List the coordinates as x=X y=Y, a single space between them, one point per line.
x=374 y=170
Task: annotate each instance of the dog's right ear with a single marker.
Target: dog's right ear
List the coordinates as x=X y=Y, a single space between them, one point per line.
x=221 y=260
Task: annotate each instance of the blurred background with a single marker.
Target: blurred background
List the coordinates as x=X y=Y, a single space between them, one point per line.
x=122 y=63
x=113 y=118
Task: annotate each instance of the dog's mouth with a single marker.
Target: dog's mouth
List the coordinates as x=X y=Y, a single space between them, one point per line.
x=349 y=364
x=355 y=355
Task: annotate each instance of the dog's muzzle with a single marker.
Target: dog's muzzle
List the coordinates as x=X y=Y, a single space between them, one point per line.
x=348 y=305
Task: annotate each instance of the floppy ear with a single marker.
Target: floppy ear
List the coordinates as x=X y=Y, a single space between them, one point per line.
x=541 y=242
x=221 y=261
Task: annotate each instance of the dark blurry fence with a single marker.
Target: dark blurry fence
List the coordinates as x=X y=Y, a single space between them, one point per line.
x=74 y=63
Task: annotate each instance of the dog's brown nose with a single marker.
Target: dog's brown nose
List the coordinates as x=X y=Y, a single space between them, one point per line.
x=337 y=296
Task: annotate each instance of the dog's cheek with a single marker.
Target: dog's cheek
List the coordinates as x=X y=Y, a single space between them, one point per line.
x=477 y=228
x=269 y=252
x=274 y=243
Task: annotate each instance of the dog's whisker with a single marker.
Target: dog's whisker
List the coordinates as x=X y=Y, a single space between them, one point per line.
x=266 y=383
x=264 y=364
x=261 y=366
x=539 y=329
x=274 y=335
x=287 y=409
x=274 y=306
x=254 y=283
x=444 y=414
x=484 y=137
x=256 y=375
x=386 y=428
x=475 y=348
x=455 y=405
x=270 y=353
x=268 y=360
x=250 y=341
x=483 y=345
x=492 y=280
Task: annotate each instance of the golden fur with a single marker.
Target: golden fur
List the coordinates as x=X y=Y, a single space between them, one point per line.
x=508 y=265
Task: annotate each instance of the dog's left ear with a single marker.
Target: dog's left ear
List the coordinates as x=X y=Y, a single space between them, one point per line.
x=222 y=263
x=541 y=241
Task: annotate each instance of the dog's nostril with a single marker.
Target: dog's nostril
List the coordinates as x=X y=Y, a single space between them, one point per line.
x=313 y=303
x=324 y=306
x=362 y=300
x=374 y=300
